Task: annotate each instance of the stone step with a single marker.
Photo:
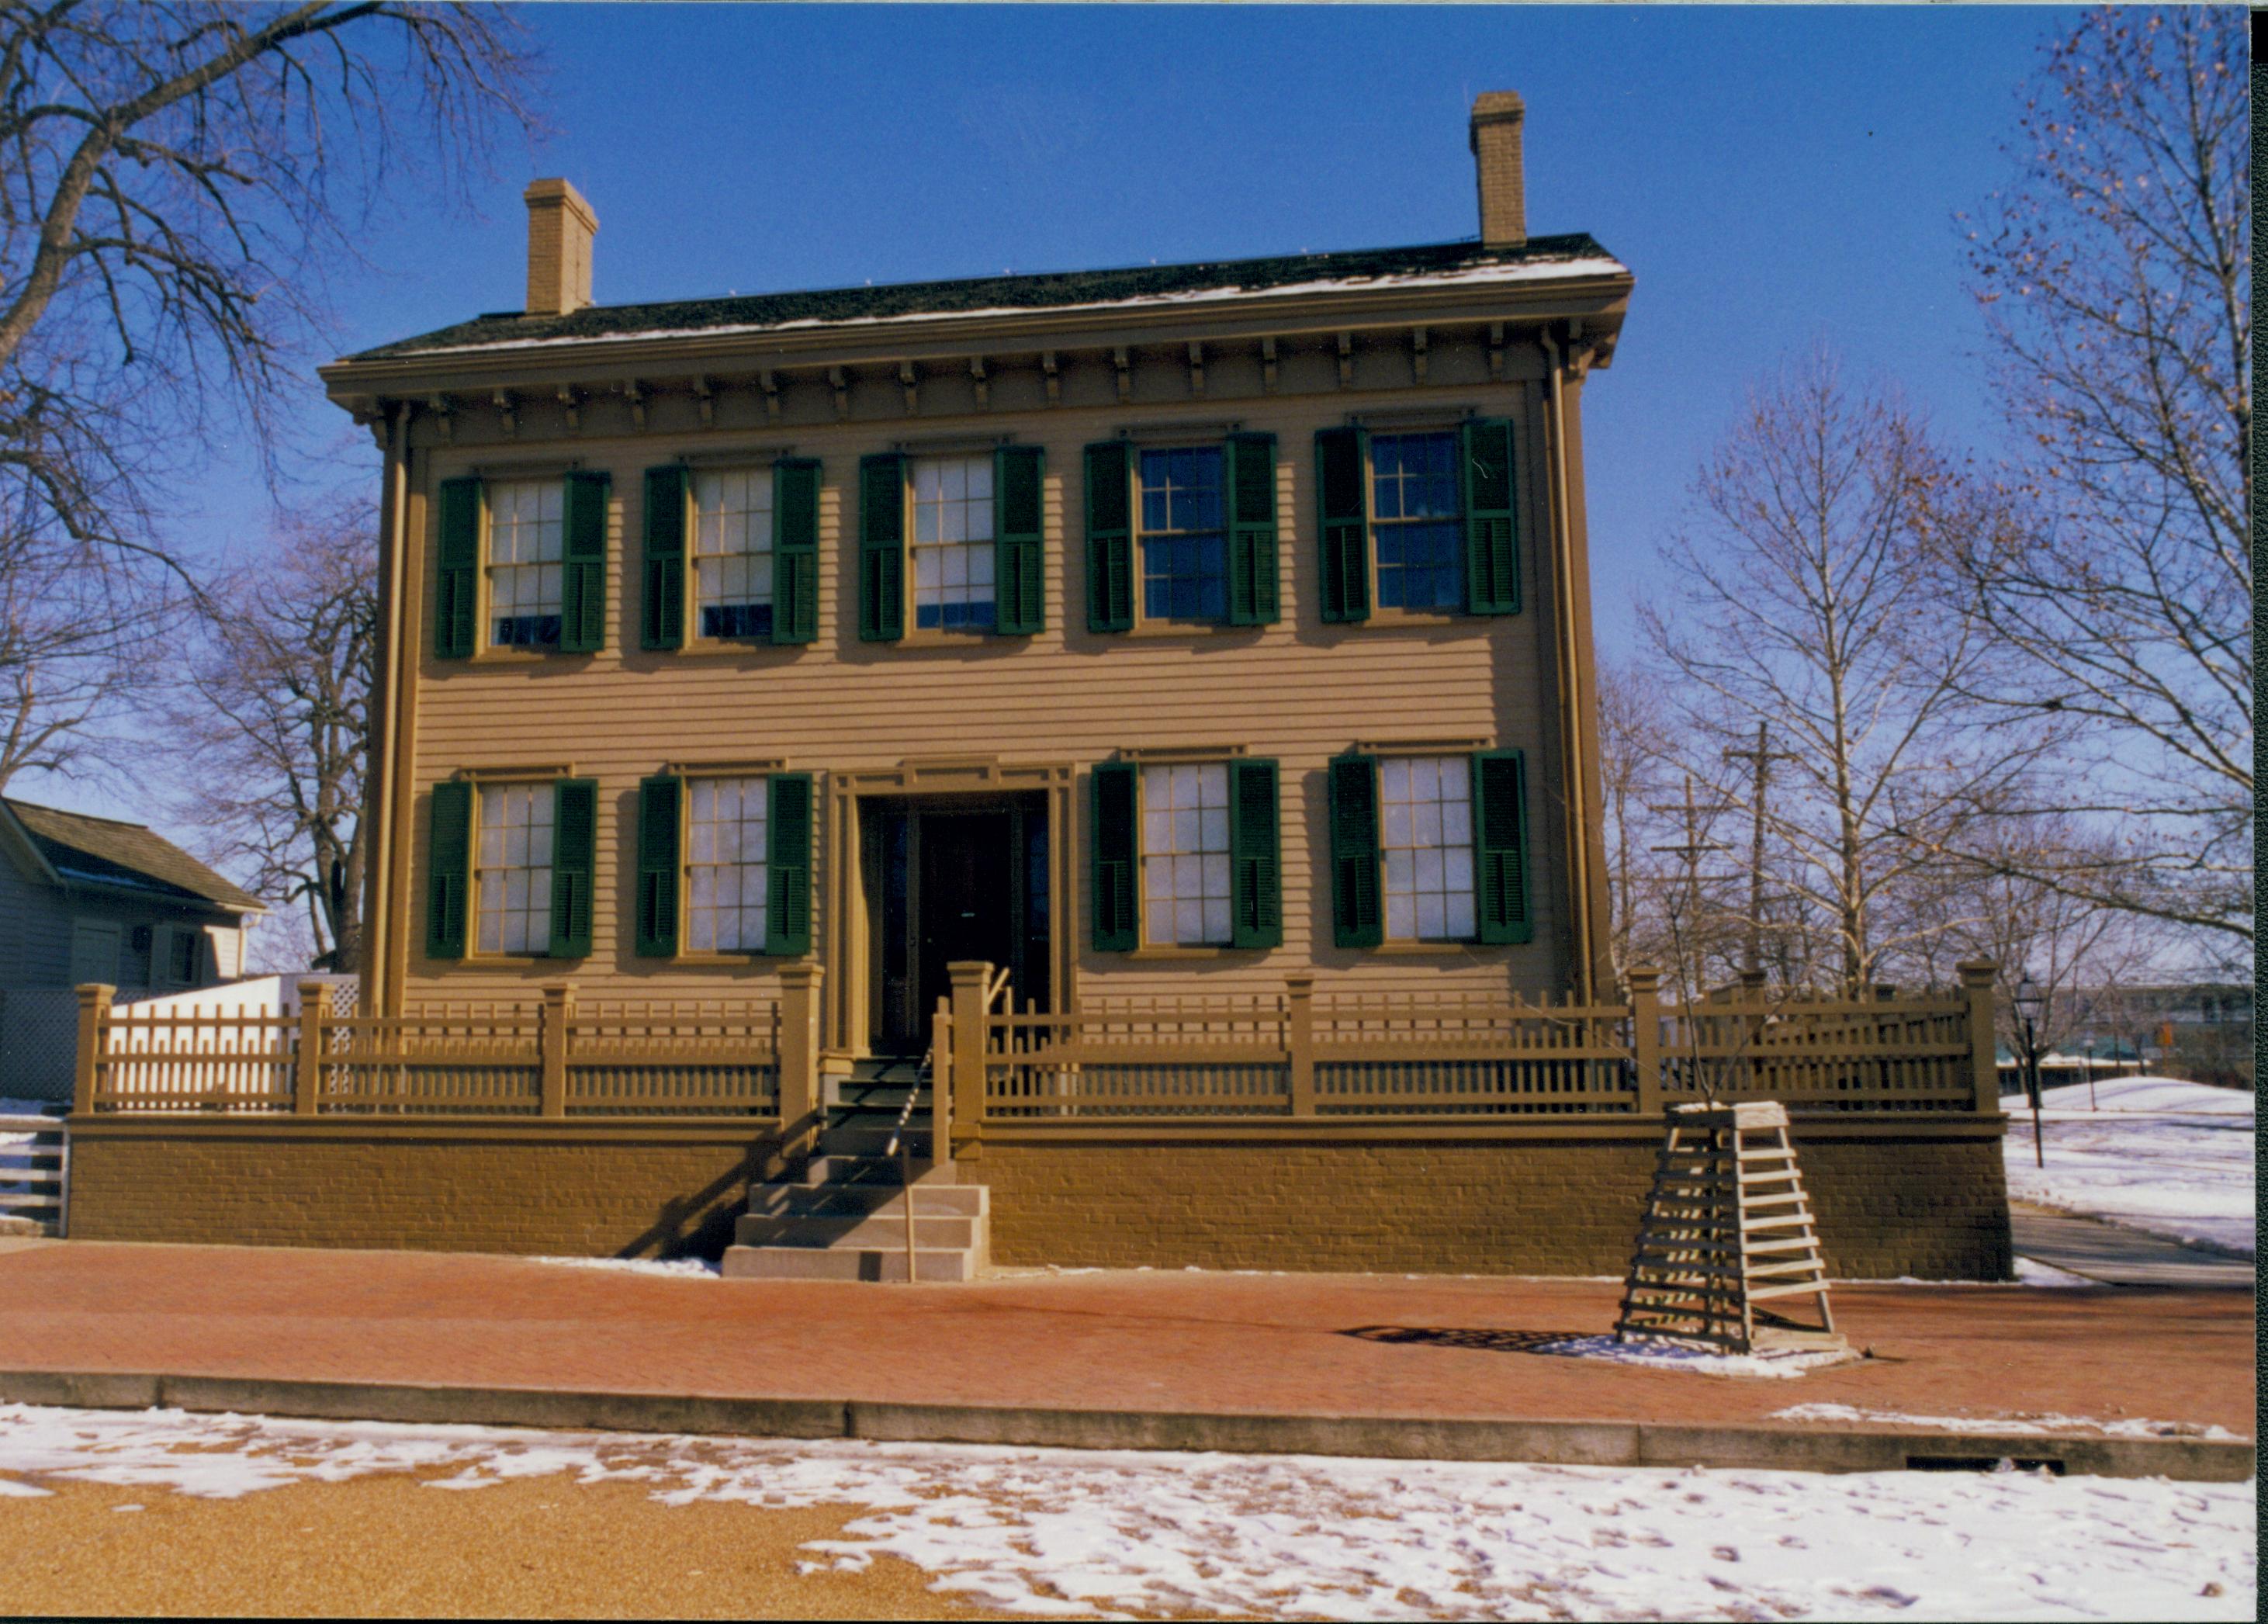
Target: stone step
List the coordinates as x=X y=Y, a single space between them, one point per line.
x=778 y=1200
x=870 y=1170
x=869 y=1231
x=847 y=1263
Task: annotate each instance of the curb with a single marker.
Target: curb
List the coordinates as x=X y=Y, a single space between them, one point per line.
x=1548 y=1443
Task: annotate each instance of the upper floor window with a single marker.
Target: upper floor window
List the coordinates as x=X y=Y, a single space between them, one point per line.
x=952 y=543
x=1181 y=534
x=184 y=954
x=958 y=541
x=1185 y=539
x=1419 y=521
x=1422 y=521
x=522 y=564
x=528 y=538
x=733 y=553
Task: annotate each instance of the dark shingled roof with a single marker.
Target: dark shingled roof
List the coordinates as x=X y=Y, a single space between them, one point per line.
x=1045 y=292
x=123 y=854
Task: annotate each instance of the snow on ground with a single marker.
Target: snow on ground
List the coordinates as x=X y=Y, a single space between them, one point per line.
x=1662 y=1353
x=1072 y=1533
x=2161 y=1156
x=2131 y=1427
x=680 y=1268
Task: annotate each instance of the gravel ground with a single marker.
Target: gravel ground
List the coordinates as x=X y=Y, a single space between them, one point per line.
x=388 y=1546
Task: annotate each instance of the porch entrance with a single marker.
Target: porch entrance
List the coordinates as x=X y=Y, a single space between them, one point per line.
x=950 y=877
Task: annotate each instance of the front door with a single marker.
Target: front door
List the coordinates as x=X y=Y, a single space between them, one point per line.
x=951 y=878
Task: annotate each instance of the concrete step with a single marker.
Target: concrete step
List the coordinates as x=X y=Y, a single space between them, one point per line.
x=870 y=1141
x=870 y=1170
x=874 y=1231
x=846 y=1263
x=938 y=1201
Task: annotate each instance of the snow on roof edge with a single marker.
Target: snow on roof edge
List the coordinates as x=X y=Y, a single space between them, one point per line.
x=1599 y=265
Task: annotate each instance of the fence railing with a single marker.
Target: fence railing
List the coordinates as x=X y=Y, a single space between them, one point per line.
x=551 y=1059
x=1388 y=1057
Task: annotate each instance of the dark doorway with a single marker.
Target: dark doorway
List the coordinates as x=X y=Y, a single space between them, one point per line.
x=951 y=879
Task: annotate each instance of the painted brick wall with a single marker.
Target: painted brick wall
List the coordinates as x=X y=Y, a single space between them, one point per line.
x=546 y=1197
x=1934 y=1207
x=1931 y=1207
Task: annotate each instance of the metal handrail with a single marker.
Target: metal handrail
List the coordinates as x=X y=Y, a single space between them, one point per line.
x=899 y=1148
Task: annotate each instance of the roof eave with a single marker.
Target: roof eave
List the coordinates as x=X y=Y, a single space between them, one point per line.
x=1592 y=297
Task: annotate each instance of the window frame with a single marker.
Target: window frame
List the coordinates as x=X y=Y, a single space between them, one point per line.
x=696 y=641
x=1144 y=943
x=1387 y=940
x=687 y=777
x=485 y=644
x=1169 y=625
x=1380 y=610
x=913 y=631
x=480 y=785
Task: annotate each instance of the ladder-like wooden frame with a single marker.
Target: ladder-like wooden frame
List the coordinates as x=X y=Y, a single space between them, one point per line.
x=1728 y=1226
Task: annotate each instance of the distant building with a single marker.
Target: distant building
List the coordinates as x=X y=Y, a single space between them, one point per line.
x=86 y=900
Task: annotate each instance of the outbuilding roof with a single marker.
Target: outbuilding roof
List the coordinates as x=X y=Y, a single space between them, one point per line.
x=1539 y=258
x=107 y=851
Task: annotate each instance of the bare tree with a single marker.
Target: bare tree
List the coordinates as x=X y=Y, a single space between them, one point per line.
x=175 y=178
x=1804 y=599
x=273 y=715
x=2115 y=276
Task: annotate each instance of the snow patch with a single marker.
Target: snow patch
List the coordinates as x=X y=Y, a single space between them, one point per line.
x=2040 y=1425
x=675 y=1268
x=1073 y=1533
x=1661 y=1353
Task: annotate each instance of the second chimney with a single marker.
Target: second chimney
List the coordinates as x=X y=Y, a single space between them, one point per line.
x=1497 y=116
x=560 y=226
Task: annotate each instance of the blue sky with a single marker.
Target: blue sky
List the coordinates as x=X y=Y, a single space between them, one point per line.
x=1774 y=176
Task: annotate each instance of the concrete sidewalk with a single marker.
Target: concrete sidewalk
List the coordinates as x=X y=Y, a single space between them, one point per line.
x=2111 y=1255
x=1299 y=1349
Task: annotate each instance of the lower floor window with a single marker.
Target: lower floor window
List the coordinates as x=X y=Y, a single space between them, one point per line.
x=514 y=879
x=726 y=869
x=1425 y=805
x=1185 y=853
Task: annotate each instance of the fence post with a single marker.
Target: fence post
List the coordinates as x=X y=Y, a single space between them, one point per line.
x=969 y=978
x=1977 y=977
x=93 y=1021
x=941 y=1090
x=799 y=1054
x=558 y=1009
x=314 y=1004
x=1300 y=1040
x=1645 y=983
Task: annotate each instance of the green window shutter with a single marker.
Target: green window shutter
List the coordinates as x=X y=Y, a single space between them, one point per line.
x=1357 y=918
x=1117 y=924
x=787 y=862
x=795 y=549
x=1109 y=540
x=662 y=802
x=1255 y=869
x=449 y=869
x=662 y=615
x=1342 y=511
x=574 y=863
x=1492 y=535
x=1251 y=483
x=1019 y=548
x=457 y=592
x=583 y=584
x=881 y=547
x=1500 y=845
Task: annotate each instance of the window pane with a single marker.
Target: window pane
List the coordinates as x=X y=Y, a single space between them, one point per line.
x=1427 y=825
x=1185 y=853
x=953 y=542
x=1184 y=561
x=726 y=874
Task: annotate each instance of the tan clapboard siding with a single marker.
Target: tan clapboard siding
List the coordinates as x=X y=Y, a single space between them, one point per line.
x=1299 y=691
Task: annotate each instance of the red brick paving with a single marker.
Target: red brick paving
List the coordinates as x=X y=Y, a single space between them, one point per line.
x=1116 y=1340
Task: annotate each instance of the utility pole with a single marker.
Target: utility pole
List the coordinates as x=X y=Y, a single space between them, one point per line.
x=1760 y=758
x=1691 y=851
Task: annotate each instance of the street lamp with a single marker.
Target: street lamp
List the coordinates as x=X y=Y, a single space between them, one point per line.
x=2031 y=1002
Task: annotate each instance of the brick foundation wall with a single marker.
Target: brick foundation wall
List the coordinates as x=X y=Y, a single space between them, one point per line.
x=547 y=1194
x=1934 y=1207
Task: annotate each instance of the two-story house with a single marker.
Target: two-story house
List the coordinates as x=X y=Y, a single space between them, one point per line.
x=1140 y=631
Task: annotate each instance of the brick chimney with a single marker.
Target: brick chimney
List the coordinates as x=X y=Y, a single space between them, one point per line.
x=560 y=226
x=1497 y=116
